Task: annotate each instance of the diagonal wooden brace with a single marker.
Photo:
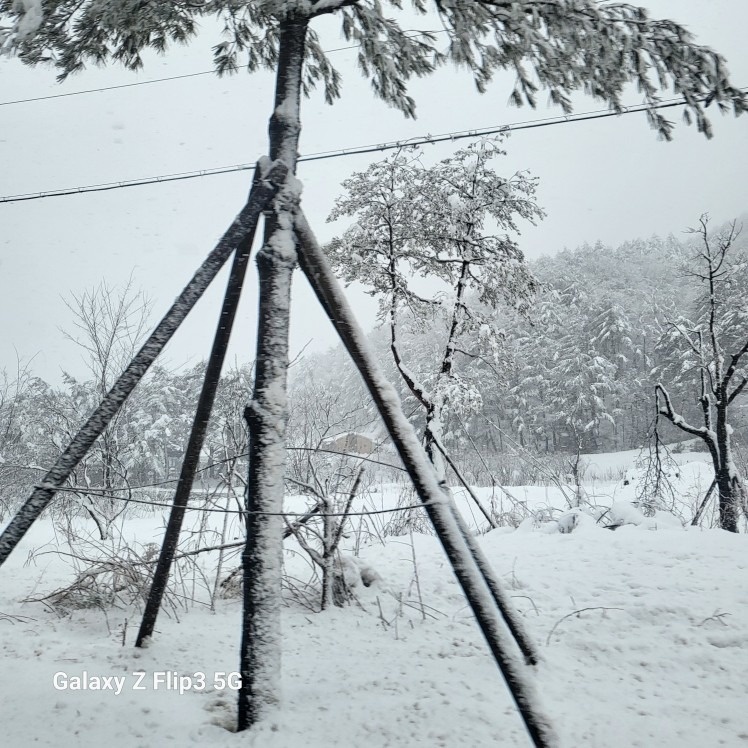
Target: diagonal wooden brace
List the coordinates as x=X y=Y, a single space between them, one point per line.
x=268 y=178
x=469 y=570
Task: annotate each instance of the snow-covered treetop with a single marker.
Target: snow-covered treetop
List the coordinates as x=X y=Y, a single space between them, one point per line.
x=561 y=46
x=455 y=221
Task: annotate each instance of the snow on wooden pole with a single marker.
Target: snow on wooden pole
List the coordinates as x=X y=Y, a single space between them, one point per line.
x=266 y=415
x=437 y=503
x=466 y=486
x=502 y=600
x=271 y=176
x=702 y=506
x=197 y=437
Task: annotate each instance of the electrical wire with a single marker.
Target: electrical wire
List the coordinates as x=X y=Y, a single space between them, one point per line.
x=105 y=88
x=216 y=463
x=355 y=151
x=409 y=33
x=243 y=512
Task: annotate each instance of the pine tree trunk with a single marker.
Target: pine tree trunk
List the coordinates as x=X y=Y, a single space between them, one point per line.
x=439 y=403
x=432 y=435
x=266 y=416
x=197 y=436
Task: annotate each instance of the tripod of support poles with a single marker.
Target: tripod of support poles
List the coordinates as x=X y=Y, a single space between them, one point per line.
x=489 y=602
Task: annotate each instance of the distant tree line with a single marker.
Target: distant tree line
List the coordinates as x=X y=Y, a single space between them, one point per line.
x=574 y=370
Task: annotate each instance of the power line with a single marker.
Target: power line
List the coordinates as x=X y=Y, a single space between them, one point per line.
x=355 y=151
x=215 y=464
x=106 y=88
x=409 y=33
x=244 y=512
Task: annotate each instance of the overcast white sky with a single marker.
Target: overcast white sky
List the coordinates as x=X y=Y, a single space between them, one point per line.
x=609 y=179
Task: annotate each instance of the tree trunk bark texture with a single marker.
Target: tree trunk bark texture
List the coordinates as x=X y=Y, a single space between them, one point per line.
x=197 y=435
x=260 y=655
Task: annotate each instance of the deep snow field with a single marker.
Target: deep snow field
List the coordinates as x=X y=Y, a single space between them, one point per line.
x=658 y=658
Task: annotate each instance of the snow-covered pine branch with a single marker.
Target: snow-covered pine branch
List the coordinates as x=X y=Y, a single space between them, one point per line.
x=562 y=46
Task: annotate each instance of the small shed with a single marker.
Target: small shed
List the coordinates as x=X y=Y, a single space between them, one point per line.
x=352 y=443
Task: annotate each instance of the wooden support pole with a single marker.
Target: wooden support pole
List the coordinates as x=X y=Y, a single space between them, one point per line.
x=471 y=493
x=197 y=435
x=502 y=600
x=697 y=517
x=43 y=493
x=438 y=504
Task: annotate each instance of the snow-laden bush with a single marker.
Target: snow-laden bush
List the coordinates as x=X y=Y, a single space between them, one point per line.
x=619 y=514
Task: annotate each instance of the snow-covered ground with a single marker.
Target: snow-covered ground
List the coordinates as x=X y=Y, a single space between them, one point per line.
x=600 y=467
x=656 y=657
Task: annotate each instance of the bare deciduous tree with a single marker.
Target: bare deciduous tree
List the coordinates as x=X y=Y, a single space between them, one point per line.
x=715 y=345
x=15 y=414
x=456 y=223
x=108 y=325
